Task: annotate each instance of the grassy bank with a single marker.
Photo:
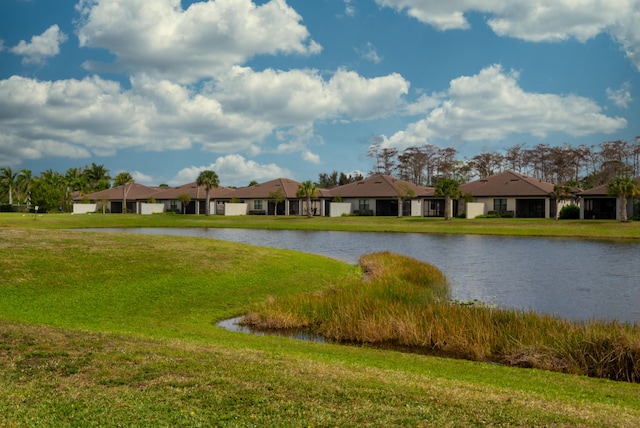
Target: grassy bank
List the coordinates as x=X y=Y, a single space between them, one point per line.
x=592 y=229
x=118 y=330
x=404 y=304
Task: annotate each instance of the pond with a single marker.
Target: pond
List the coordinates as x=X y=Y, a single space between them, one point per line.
x=574 y=278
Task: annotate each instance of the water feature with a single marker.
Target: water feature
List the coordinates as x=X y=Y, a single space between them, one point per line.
x=574 y=278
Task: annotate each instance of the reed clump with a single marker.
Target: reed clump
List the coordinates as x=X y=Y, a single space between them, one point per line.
x=402 y=303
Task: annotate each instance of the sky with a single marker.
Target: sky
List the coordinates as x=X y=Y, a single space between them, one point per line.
x=257 y=90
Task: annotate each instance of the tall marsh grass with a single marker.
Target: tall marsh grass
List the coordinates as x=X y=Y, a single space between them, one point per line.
x=404 y=304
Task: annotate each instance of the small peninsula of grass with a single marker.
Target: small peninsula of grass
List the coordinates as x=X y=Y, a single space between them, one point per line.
x=403 y=304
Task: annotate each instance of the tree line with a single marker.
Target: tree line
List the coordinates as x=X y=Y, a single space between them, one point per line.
x=52 y=190
x=582 y=166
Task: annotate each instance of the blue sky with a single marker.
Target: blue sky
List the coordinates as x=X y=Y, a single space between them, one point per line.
x=257 y=90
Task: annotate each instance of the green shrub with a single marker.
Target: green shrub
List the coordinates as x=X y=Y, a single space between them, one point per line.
x=570 y=212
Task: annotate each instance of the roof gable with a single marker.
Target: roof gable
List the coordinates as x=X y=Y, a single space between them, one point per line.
x=195 y=192
x=602 y=189
x=132 y=191
x=382 y=186
x=507 y=183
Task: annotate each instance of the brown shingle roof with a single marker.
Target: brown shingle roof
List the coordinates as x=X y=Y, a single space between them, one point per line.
x=195 y=192
x=261 y=190
x=134 y=191
x=381 y=186
x=602 y=189
x=507 y=183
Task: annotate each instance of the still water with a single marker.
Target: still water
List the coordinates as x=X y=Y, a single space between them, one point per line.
x=577 y=279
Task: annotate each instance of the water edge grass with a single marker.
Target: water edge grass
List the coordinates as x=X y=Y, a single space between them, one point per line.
x=403 y=304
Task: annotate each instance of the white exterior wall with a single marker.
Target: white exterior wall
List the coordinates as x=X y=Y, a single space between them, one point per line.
x=147 y=209
x=487 y=204
x=84 y=208
x=339 y=208
x=416 y=207
x=236 y=209
x=474 y=209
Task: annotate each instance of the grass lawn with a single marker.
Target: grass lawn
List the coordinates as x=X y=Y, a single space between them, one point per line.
x=608 y=229
x=118 y=330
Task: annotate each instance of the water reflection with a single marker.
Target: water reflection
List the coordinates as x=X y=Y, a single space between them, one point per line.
x=578 y=279
x=234 y=324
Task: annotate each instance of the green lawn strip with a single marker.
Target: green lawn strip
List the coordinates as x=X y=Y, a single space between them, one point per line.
x=57 y=377
x=594 y=229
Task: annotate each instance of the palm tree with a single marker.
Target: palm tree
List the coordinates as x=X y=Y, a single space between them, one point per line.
x=24 y=181
x=449 y=188
x=98 y=177
x=623 y=188
x=123 y=179
x=309 y=191
x=8 y=180
x=208 y=179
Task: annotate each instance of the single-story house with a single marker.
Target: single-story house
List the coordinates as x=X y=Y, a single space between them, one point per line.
x=260 y=198
x=218 y=196
x=511 y=193
x=112 y=200
x=597 y=204
x=382 y=195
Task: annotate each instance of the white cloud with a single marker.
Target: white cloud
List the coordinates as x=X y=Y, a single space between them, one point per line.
x=142 y=178
x=236 y=171
x=536 y=20
x=490 y=106
x=94 y=116
x=622 y=96
x=349 y=8
x=163 y=40
x=41 y=47
x=370 y=53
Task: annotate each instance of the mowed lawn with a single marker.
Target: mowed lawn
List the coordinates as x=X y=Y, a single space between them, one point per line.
x=102 y=329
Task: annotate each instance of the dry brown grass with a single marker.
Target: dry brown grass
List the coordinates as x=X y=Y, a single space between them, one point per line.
x=403 y=303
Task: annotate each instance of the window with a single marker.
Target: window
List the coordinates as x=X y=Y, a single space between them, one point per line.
x=500 y=205
x=363 y=204
x=257 y=204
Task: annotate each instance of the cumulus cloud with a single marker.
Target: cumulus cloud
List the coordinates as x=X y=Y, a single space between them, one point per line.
x=298 y=97
x=491 y=105
x=236 y=170
x=621 y=96
x=41 y=47
x=536 y=20
x=185 y=45
x=94 y=116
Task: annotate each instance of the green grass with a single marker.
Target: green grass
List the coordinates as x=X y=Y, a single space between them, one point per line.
x=593 y=229
x=118 y=330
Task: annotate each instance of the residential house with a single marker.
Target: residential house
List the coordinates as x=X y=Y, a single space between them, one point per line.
x=514 y=194
x=218 y=196
x=112 y=200
x=260 y=198
x=383 y=195
x=597 y=204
